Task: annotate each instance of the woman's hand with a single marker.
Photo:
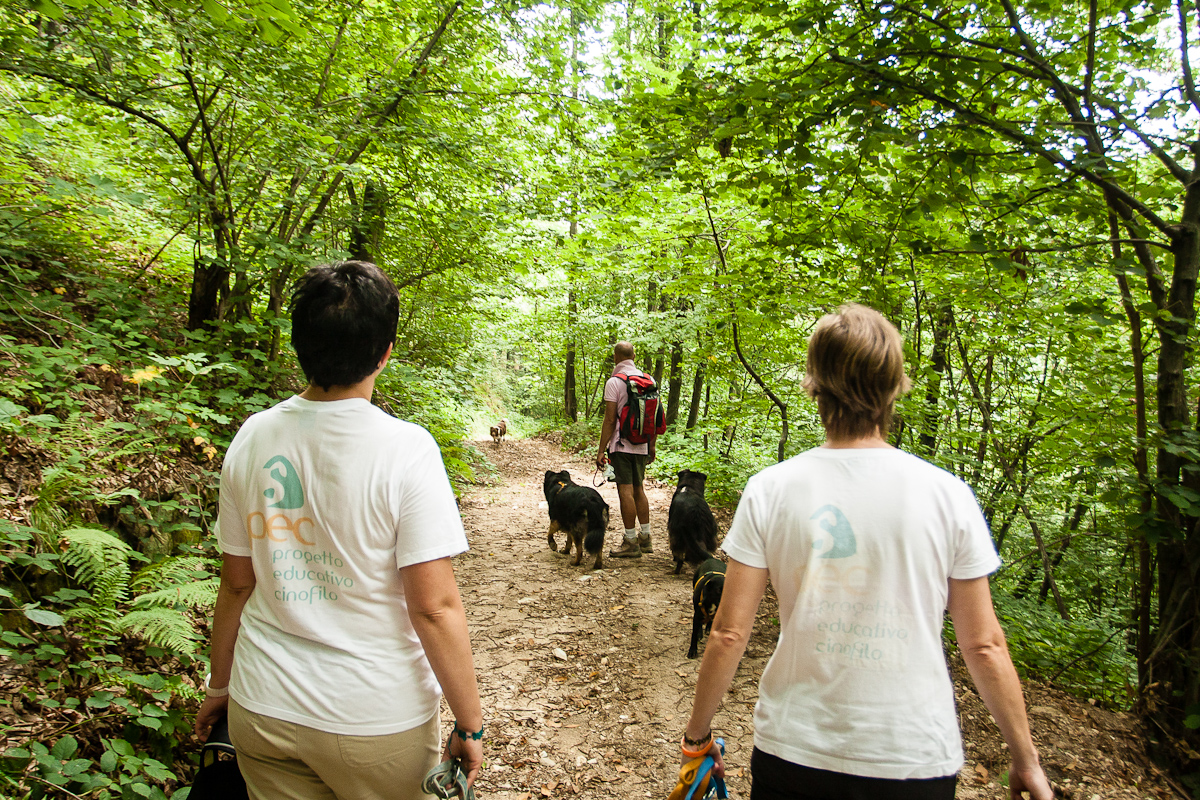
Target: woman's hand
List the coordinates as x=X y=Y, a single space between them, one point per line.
x=1029 y=780
x=468 y=752
x=714 y=750
x=211 y=710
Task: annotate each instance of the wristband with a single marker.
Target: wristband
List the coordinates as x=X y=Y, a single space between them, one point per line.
x=464 y=735
x=209 y=691
x=695 y=748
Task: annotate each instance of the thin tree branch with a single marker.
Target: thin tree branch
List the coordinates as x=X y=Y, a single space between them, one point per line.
x=1189 y=83
x=737 y=347
x=1031 y=144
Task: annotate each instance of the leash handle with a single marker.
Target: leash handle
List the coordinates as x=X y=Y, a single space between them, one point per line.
x=705 y=767
x=602 y=480
x=716 y=786
x=447 y=781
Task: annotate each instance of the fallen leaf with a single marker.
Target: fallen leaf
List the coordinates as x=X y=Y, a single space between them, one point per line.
x=982 y=772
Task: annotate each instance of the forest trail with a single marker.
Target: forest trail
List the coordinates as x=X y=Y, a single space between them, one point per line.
x=585 y=683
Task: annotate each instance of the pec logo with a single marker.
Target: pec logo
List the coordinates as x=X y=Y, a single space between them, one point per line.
x=288 y=495
x=289 y=481
x=838 y=540
x=277 y=527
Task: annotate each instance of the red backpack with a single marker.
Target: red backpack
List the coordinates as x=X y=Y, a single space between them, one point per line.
x=642 y=418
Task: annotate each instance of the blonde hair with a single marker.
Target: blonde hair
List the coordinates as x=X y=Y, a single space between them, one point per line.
x=855 y=371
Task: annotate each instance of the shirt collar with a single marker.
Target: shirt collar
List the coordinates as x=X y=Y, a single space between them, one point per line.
x=624 y=366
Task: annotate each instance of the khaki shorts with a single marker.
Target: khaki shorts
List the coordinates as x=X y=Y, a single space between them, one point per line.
x=285 y=761
x=628 y=467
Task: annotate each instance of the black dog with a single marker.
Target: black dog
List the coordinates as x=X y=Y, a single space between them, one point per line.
x=691 y=529
x=581 y=512
x=707 y=586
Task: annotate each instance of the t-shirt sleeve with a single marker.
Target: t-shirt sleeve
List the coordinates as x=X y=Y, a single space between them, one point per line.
x=428 y=526
x=746 y=541
x=613 y=389
x=232 y=534
x=974 y=552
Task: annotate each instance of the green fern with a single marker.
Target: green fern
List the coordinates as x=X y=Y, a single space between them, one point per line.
x=170 y=572
x=47 y=514
x=198 y=595
x=101 y=562
x=164 y=627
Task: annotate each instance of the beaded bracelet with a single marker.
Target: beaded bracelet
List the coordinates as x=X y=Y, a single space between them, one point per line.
x=464 y=735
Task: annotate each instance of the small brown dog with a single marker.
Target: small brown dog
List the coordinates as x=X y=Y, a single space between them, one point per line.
x=498 y=431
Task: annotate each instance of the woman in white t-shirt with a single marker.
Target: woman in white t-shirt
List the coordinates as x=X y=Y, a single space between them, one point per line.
x=867 y=547
x=339 y=626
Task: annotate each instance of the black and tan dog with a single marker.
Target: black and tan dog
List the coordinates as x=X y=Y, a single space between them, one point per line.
x=580 y=512
x=691 y=529
x=707 y=586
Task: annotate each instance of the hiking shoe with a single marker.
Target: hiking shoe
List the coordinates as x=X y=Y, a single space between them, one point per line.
x=644 y=543
x=627 y=550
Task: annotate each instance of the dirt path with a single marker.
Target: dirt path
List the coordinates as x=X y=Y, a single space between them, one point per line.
x=586 y=686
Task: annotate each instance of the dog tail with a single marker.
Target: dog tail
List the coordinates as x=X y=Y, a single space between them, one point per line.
x=597 y=515
x=697 y=552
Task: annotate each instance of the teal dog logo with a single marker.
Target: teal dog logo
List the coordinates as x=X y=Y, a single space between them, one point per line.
x=289 y=480
x=837 y=541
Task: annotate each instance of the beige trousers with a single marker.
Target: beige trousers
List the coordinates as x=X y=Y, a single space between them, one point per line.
x=285 y=761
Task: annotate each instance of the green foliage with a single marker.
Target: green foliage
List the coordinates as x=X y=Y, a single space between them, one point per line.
x=131 y=696
x=727 y=474
x=169 y=587
x=1088 y=654
x=434 y=399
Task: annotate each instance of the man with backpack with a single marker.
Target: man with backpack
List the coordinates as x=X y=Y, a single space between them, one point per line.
x=632 y=420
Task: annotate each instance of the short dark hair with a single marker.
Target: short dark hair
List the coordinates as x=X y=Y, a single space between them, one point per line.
x=855 y=371
x=344 y=316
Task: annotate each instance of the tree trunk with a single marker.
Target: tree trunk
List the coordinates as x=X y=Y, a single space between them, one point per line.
x=1144 y=584
x=676 y=377
x=694 y=408
x=210 y=280
x=1175 y=659
x=933 y=392
x=570 y=403
x=370 y=218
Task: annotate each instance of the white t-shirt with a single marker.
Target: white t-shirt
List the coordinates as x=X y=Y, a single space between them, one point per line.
x=859 y=545
x=615 y=391
x=330 y=500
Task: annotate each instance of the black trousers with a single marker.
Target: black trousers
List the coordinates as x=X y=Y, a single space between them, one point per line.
x=772 y=778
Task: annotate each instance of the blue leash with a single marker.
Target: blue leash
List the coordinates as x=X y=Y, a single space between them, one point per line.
x=716 y=787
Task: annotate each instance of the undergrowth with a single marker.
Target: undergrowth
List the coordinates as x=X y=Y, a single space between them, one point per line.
x=113 y=423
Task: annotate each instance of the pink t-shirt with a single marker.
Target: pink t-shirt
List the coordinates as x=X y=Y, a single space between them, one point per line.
x=616 y=392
